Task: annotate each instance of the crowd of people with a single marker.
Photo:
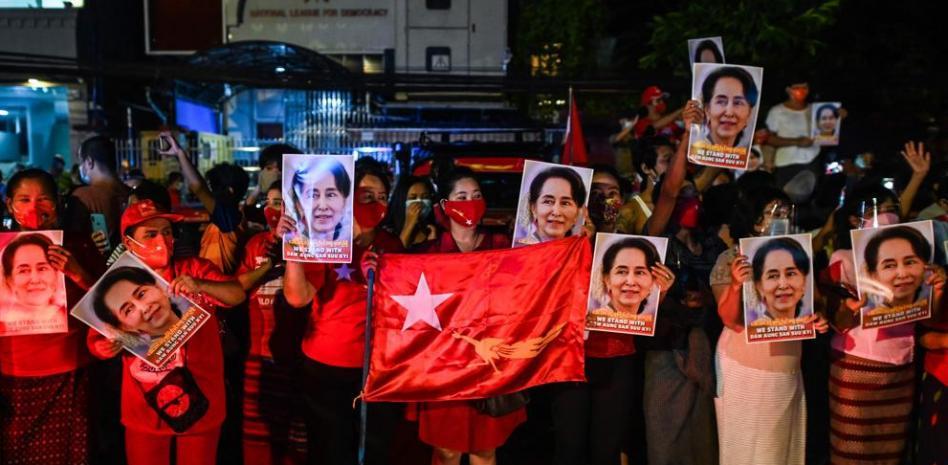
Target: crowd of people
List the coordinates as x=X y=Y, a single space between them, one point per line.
x=272 y=377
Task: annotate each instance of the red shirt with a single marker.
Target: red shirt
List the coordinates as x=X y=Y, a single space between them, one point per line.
x=203 y=358
x=672 y=131
x=445 y=243
x=335 y=334
x=936 y=361
x=260 y=298
x=601 y=344
x=51 y=354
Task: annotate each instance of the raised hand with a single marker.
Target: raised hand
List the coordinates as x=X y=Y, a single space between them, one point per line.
x=918 y=159
x=740 y=270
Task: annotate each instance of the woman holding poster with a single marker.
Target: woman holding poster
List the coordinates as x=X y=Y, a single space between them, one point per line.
x=555 y=203
x=38 y=303
x=760 y=407
x=334 y=343
x=43 y=377
x=873 y=372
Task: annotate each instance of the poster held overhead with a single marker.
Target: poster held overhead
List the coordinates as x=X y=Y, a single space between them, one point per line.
x=706 y=50
x=318 y=193
x=729 y=95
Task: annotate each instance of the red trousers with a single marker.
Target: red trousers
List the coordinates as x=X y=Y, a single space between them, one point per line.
x=154 y=449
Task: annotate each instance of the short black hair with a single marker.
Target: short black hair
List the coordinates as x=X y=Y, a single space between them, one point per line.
x=751 y=93
x=150 y=190
x=861 y=194
x=224 y=176
x=174 y=177
x=708 y=44
x=44 y=178
x=577 y=188
x=131 y=274
x=750 y=209
x=101 y=150
x=395 y=217
x=274 y=154
x=624 y=184
x=919 y=244
x=648 y=151
x=800 y=259
x=366 y=166
x=450 y=179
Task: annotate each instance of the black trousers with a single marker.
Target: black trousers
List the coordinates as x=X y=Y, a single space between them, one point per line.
x=333 y=425
x=590 y=419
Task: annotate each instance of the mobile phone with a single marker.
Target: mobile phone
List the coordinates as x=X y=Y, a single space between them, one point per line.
x=163 y=144
x=889 y=183
x=98 y=225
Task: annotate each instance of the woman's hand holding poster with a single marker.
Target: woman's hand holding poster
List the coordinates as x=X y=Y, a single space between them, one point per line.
x=133 y=305
x=318 y=196
x=894 y=273
x=626 y=283
x=33 y=292
x=778 y=300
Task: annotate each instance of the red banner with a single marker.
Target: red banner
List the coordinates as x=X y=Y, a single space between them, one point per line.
x=475 y=325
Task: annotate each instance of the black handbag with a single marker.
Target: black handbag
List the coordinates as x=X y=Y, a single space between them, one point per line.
x=501 y=405
x=178 y=400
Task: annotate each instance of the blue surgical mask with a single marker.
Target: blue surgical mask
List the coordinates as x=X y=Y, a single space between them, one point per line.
x=425 y=206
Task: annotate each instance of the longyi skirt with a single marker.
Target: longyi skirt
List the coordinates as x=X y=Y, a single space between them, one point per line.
x=456 y=425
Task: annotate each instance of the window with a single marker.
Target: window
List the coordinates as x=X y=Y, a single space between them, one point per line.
x=438 y=4
x=439 y=59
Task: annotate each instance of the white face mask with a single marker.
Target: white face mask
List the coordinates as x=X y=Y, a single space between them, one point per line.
x=425 y=208
x=779 y=227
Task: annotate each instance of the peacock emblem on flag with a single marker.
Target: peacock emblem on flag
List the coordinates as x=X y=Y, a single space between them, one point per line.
x=493 y=349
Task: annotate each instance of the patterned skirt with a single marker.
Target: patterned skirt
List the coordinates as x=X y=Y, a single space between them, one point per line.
x=274 y=426
x=45 y=420
x=870 y=407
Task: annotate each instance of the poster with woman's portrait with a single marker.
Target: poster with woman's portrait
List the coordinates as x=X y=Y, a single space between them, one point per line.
x=706 y=50
x=779 y=296
x=317 y=195
x=729 y=95
x=130 y=303
x=624 y=288
x=825 y=122
x=552 y=204
x=891 y=272
x=33 y=293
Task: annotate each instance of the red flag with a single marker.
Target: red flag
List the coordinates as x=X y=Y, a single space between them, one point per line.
x=475 y=325
x=574 y=144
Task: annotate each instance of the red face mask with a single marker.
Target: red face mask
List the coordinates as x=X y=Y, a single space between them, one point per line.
x=661 y=107
x=799 y=95
x=369 y=215
x=32 y=219
x=273 y=217
x=156 y=254
x=467 y=213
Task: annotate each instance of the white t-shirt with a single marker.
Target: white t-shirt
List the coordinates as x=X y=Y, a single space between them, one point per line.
x=790 y=124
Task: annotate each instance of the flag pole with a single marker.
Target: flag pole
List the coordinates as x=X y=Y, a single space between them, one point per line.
x=364 y=408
